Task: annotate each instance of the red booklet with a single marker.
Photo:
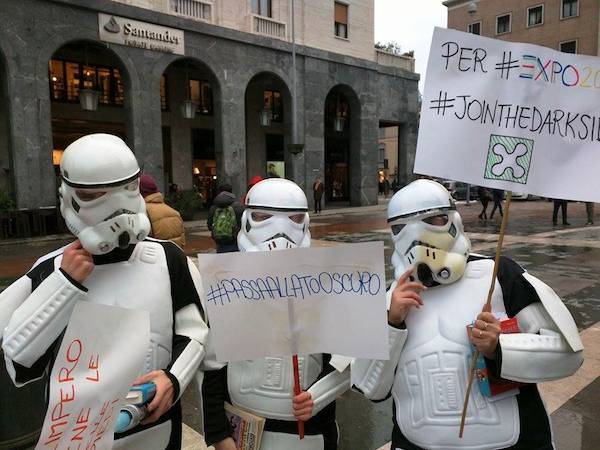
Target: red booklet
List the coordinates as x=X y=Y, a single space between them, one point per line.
x=489 y=383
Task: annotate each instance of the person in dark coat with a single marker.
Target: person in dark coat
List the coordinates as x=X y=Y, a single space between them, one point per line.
x=560 y=204
x=318 y=194
x=497 y=196
x=484 y=197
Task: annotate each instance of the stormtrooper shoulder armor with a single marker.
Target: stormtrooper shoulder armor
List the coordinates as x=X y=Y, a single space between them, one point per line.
x=548 y=346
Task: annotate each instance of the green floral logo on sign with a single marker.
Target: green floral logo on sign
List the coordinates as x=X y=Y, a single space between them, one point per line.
x=508 y=158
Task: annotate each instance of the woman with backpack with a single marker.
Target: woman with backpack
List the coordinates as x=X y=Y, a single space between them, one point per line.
x=223 y=221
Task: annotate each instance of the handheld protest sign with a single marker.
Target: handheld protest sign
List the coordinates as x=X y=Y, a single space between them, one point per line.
x=510 y=116
x=337 y=296
x=101 y=354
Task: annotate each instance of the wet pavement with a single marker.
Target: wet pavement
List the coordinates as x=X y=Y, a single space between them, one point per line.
x=568 y=258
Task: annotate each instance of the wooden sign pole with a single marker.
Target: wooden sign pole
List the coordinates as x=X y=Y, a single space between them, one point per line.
x=486 y=308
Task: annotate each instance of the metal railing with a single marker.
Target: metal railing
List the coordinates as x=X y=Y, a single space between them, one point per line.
x=391 y=59
x=266 y=26
x=194 y=9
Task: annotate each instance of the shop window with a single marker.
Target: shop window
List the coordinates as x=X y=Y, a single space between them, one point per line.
x=73 y=81
x=340 y=23
x=261 y=7
x=57 y=80
x=164 y=101
x=503 y=24
x=474 y=28
x=103 y=85
x=272 y=103
x=119 y=88
x=570 y=8
x=535 y=15
x=67 y=78
x=201 y=96
x=336 y=116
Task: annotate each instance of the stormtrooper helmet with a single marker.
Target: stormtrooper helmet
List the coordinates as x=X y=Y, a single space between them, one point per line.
x=275 y=218
x=99 y=195
x=428 y=234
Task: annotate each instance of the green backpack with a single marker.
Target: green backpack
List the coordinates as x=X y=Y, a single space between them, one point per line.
x=224 y=223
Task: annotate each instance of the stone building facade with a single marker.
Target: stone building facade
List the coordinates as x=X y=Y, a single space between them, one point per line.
x=239 y=80
x=566 y=25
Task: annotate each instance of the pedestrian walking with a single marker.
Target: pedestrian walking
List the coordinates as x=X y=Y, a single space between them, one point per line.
x=560 y=204
x=589 y=209
x=484 y=197
x=395 y=185
x=497 y=196
x=165 y=221
x=386 y=188
x=318 y=194
x=224 y=218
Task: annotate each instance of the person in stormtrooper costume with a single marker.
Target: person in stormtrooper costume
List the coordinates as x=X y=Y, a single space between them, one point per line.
x=276 y=218
x=440 y=288
x=111 y=262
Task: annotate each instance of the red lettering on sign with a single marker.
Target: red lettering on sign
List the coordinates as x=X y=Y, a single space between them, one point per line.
x=74 y=350
x=81 y=424
x=55 y=432
x=93 y=365
x=64 y=396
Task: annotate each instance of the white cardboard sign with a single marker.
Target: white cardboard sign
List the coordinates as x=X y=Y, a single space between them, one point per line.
x=304 y=300
x=511 y=116
x=101 y=354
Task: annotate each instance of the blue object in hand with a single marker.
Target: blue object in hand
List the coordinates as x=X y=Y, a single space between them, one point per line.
x=134 y=410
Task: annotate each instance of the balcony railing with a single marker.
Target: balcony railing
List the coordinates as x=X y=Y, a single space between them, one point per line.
x=265 y=26
x=391 y=59
x=194 y=9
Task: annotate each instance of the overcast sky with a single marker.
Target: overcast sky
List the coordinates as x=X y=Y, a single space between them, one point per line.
x=410 y=23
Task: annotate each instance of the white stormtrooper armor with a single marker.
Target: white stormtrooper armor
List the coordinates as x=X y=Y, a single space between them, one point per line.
x=429 y=360
x=99 y=195
x=37 y=307
x=438 y=253
x=276 y=218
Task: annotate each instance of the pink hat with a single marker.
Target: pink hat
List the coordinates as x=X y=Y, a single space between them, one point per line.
x=147 y=185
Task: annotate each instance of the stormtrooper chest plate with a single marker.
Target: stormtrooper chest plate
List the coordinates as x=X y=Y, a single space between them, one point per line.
x=266 y=386
x=142 y=283
x=432 y=374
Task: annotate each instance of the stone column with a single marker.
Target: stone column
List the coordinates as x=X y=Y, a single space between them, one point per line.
x=407 y=143
x=30 y=133
x=314 y=144
x=230 y=137
x=144 y=132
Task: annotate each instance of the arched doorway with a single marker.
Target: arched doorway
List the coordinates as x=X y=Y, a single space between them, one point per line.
x=189 y=98
x=268 y=126
x=87 y=84
x=342 y=145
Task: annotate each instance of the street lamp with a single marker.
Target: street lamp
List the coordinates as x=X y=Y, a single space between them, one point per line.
x=88 y=98
x=264 y=117
x=338 y=124
x=188 y=108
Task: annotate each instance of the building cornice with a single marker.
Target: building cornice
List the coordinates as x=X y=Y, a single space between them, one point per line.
x=193 y=26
